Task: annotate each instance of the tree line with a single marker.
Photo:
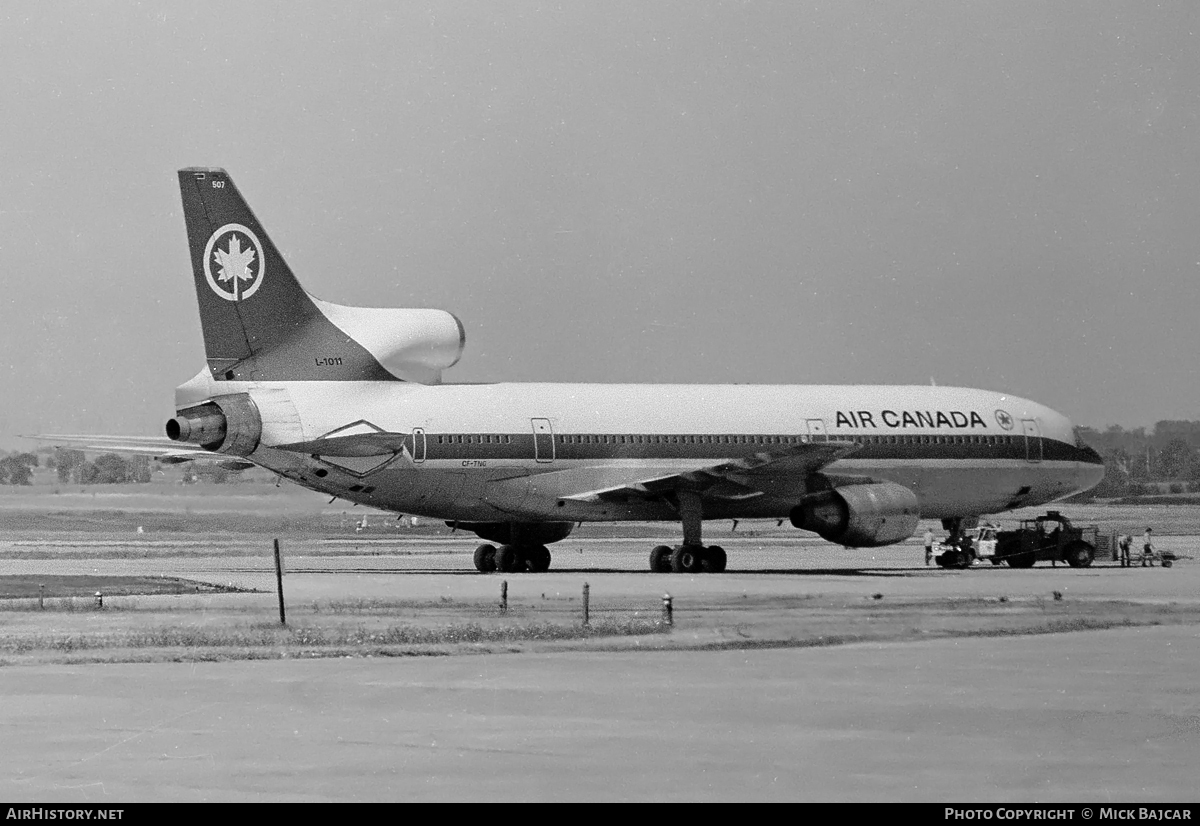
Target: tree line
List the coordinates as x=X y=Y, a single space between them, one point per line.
x=1138 y=461
x=73 y=467
x=17 y=468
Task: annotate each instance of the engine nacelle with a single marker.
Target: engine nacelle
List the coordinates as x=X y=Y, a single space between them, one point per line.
x=227 y=424
x=860 y=516
x=519 y=533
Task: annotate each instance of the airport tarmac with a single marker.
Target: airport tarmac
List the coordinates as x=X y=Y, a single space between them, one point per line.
x=418 y=568
x=1107 y=716
x=1104 y=716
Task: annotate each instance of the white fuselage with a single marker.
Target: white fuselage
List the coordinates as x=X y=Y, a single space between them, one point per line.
x=520 y=452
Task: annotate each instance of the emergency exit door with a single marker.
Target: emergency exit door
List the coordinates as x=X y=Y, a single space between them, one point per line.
x=543 y=440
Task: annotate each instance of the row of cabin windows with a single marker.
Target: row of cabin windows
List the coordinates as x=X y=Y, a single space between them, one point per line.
x=498 y=439
x=475 y=439
x=681 y=440
x=929 y=440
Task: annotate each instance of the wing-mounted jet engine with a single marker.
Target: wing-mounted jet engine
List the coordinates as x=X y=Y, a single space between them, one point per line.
x=860 y=516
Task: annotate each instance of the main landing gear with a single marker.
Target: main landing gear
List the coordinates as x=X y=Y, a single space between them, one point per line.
x=512 y=559
x=687 y=559
x=692 y=557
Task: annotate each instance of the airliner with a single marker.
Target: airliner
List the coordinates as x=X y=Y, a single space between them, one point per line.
x=350 y=401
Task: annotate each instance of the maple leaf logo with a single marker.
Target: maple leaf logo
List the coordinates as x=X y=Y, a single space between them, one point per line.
x=234 y=262
x=235 y=272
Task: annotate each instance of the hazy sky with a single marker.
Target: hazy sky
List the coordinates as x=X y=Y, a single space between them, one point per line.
x=1002 y=195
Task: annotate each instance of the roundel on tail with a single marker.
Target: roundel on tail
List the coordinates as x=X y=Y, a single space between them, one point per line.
x=234 y=263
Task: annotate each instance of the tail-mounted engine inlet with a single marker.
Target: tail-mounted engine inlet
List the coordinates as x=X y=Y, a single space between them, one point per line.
x=227 y=424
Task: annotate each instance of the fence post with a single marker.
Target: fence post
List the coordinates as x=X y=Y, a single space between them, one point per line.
x=279 y=583
x=42 y=597
x=504 y=597
x=586 y=591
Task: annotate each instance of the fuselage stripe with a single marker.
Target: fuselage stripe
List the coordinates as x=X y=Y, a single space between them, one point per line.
x=720 y=447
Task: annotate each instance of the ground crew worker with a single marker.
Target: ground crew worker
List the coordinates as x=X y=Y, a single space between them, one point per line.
x=1147 y=550
x=1123 y=545
x=928 y=545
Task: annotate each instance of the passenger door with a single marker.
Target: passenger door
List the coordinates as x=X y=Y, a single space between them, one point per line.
x=1033 y=440
x=543 y=440
x=816 y=431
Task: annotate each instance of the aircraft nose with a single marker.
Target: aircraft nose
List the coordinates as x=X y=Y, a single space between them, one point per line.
x=1091 y=467
x=1089 y=455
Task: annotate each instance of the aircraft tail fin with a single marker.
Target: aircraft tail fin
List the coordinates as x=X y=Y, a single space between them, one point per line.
x=260 y=325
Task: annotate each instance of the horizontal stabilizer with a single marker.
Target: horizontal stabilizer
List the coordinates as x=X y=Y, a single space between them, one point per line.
x=100 y=440
x=159 y=447
x=173 y=460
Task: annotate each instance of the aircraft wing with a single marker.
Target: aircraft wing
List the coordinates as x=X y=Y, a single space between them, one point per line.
x=777 y=472
x=158 y=447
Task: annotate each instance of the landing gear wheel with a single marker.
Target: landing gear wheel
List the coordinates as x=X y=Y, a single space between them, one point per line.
x=509 y=559
x=660 y=560
x=1079 y=554
x=713 y=559
x=485 y=559
x=538 y=559
x=687 y=559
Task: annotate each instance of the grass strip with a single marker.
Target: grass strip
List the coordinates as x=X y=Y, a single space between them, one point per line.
x=312 y=636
